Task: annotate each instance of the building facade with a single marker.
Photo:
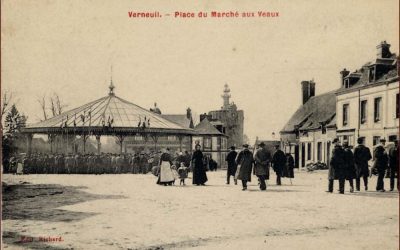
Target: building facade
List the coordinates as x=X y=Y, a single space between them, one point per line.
x=213 y=143
x=228 y=120
x=368 y=100
x=310 y=130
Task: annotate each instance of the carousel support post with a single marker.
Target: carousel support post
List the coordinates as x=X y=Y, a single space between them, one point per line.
x=29 y=138
x=155 y=140
x=121 y=142
x=98 y=144
x=180 y=138
x=50 y=140
x=84 y=138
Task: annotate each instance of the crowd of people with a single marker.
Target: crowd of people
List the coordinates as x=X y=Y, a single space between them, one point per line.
x=242 y=164
x=105 y=163
x=346 y=164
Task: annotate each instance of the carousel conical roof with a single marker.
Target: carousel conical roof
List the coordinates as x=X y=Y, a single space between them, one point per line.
x=110 y=112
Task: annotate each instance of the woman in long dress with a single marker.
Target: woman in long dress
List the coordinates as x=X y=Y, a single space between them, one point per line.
x=199 y=172
x=166 y=176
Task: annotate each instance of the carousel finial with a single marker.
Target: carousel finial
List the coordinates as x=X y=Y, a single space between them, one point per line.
x=111 y=87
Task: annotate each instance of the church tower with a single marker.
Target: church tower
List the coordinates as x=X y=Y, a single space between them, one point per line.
x=226 y=97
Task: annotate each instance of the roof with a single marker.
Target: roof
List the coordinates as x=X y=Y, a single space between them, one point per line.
x=206 y=128
x=363 y=81
x=107 y=110
x=318 y=109
x=181 y=120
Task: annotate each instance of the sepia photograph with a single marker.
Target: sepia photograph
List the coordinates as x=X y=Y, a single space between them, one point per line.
x=135 y=124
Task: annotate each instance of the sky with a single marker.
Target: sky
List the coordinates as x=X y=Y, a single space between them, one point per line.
x=68 y=48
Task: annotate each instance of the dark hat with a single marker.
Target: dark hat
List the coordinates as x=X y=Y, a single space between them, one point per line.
x=382 y=139
x=233 y=147
x=262 y=144
x=277 y=145
x=335 y=140
x=246 y=145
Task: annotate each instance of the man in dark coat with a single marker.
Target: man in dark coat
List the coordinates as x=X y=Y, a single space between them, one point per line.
x=394 y=165
x=350 y=168
x=337 y=167
x=213 y=165
x=231 y=160
x=288 y=171
x=362 y=155
x=262 y=159
x=279 y=162
x=245 y=160
x=380 y=163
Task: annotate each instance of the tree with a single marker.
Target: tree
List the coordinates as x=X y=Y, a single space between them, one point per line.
x=14 y=122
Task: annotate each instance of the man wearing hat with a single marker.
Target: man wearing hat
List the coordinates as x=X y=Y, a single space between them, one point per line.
x=230 y=159
x=380 y=163
x=337 y=167
x=362 y=155
x=394 y=165
x=350 y=165
x=262 y=159
x=279 y=163
x=245 y=160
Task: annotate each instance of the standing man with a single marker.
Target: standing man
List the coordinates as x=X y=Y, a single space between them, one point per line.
x=362 y=155
x=262 y=159
x=230 y=159
x=350 y=166
x=337 y=167
x=279 y=161
x=381 y=162
x=394 y=165
x=245 y=159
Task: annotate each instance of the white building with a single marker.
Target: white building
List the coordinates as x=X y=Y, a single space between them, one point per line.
x=368 y=100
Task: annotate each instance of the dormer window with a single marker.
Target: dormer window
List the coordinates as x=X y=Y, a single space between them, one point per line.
x=371 y=76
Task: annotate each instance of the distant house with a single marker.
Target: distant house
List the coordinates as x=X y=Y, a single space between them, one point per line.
x=309 y=132
x=368 y=100
x=212 y=141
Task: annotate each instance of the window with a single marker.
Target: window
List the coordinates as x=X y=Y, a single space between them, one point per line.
x=377 y=109
x=319 y=151
x=309 y=151
x=345 y=114
x=397 y=106
x=375 y=140
x=392 y=138
x=207 y=142
x=363 y=112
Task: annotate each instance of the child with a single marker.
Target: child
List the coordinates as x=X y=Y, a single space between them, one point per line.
x=183 y=173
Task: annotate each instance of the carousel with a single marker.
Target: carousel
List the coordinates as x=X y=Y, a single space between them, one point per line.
x=107 y=116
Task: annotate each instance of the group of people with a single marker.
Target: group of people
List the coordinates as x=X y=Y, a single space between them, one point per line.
x=348 y=165
x=241 y=165
x=169 y=171
x=105 y=163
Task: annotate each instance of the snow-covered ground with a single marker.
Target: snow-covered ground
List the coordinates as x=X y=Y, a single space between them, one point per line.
x=132 y=212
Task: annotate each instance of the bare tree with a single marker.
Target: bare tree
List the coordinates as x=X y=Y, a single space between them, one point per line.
x=42 y=102
x=7 y=101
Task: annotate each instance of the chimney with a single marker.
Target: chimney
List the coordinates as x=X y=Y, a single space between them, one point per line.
x=308 y=90
x=188 y=113
x=343 y=74
x=383 y=50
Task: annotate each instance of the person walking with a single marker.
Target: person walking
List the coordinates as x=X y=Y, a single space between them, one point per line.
x=337 y=167
x=279 y=162
x=394 y=165
x=199 y=171
x=245 y=160
x=380 y=164
x=231 y=160
x=262 y=160
x=362 y=155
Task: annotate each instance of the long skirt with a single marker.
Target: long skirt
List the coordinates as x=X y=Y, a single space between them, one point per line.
x=166 y=175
